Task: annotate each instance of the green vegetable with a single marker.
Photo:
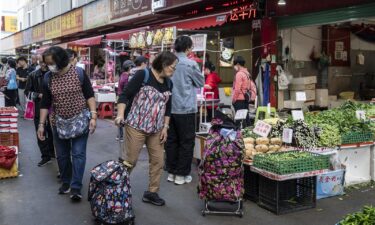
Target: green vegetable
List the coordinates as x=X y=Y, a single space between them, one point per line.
x=365 y=217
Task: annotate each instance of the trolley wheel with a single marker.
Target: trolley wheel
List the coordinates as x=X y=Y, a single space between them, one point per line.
x=240 y=214
x=203 y=213
x=241 y=204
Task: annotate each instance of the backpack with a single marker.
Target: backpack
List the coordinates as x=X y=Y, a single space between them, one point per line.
x=110 y=194
x=148 y=108
x=247 y=94
x=47 y=78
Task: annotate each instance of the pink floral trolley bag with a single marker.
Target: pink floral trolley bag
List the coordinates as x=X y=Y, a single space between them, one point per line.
x=221 y=170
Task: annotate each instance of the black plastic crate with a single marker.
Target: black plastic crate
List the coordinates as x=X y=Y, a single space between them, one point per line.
x=251 y=183
x=288 y=196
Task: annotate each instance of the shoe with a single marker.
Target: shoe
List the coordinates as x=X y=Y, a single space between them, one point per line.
x=64 y=189
x=179 y=180
x=188 y=179
x=58 y=176
x=117 y=138
x=44 y=162
x=122 y=140
x=153 y=198
x=75 y=194
x=171 y=177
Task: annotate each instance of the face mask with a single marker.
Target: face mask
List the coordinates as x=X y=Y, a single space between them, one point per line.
x=53 y=68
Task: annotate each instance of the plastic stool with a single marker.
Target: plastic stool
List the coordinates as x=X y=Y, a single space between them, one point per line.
x=105 y=109
x=262 y=110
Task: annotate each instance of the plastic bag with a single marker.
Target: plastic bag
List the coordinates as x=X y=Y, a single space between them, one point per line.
x=29 y=110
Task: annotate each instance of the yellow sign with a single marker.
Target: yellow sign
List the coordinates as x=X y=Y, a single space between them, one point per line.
x=72 y=22
x=10 y=24
x=53 y=28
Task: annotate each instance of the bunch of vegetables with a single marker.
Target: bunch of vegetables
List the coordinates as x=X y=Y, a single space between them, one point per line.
x=365 y=217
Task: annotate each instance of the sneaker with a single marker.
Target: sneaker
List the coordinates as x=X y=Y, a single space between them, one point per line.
x=188 y=179
x=117 y=138
x=153 y=198
x=58 y=176
x=64 y=189
x=44 y=162
x=75 y=194
x=122 y=140
x=179 y=180
x=171 y=177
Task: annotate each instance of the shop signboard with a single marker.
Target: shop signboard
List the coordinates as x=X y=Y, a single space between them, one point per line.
x=53 y=28
x=38 y=33
x=9 y=24
x=96 y=14
x=157 y=4
x=27 y=36
x=126 y=8
x=7 y=43
x=242 y=13
x=18 y=40
x=72 y=22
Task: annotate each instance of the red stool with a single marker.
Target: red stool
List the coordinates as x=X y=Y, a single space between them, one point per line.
x=105 y=109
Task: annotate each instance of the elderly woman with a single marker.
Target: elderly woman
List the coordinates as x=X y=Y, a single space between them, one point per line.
x=145 y=108
x=68 y=91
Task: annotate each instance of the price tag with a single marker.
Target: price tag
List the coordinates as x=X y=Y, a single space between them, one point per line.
x=297 y=115
x=301 y=96
x=241 y=114
x=262 y=129
x=287 y=135
x=361 y=115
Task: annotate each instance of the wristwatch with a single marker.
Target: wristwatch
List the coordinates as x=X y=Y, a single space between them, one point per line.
x=166 y=126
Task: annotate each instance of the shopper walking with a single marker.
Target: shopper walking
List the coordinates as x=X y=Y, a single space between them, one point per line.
x=11 y=88
x=3 y=71
x=124 y=79
x=34 y=63
x=211 y=87
x=181 y=136
x=34 y=91
x=22 y=74
x=69 y=92
x=145 y=107
x=140 y=64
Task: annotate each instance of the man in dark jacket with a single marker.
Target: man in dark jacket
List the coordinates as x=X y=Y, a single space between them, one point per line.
x=34 y=89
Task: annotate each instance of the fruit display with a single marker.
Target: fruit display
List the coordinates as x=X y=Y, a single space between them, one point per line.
x=261 y=145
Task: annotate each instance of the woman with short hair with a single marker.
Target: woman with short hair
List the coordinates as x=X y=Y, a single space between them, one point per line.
x=145 y=108
x=12 y=87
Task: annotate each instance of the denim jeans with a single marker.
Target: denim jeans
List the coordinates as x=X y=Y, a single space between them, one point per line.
x=71 y=158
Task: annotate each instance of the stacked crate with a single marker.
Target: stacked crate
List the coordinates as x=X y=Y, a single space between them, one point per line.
x=303 y=84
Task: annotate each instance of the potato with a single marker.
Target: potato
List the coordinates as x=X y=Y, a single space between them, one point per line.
x=274 y=148
x=262 y=141
x=249 y=146
x=248 y=153
x=249 y=140
x=276 y=141
x=261 y=148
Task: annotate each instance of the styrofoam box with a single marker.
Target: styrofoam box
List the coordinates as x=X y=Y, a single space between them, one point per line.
x=105 y=97
x=357 y=162
x=321 y=97
x=332 y=98
x=301 y=87
x=310 y=95
x=304 y=80
x=293 y=105
x=335 y=104
x=309 y=103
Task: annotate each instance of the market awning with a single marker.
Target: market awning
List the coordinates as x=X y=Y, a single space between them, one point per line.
x=41 y=50
x=87 y=41
x=200 y=22
x=123 y=35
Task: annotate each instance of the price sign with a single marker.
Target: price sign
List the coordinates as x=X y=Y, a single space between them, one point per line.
x=241 y=114
x=301 y=96
x=287 y=135
x=297 y=115
x=262 y=129
x=361 y=115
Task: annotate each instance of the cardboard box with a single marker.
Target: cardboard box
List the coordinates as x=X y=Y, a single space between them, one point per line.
x=304 y=80
x=301 y=87
x=309 y=103
x=335 y=104
x=332 y=98
x=321 y=97
x=310 y=95
x=293 y=104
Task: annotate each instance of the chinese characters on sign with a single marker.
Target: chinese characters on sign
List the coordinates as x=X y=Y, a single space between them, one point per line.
x=124 y=8
x=38 y=33
x=71 y=22
x=287 y=135
x=53 y=28
x=262 y=128
x=242 y=13
x=96 y=14
x=9 y=24
x=199 y=42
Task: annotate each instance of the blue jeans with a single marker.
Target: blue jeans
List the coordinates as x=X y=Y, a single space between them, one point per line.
x=71 y=158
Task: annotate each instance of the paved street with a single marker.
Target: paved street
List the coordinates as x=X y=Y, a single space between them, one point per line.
x=32 y=199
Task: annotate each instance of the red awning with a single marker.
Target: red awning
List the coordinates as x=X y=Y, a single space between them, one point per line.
x=123 y=35
x=41 y=50
x=200 y=22
x=87 y=41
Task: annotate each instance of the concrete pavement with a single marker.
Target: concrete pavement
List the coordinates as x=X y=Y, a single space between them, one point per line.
x=31 y=199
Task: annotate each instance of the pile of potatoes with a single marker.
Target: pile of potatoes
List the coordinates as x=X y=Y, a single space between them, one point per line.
x=262 y=145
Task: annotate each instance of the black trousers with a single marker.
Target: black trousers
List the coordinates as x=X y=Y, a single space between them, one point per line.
x=180 y=144
x=46 y=147
x=238 y=105
x=10 y=97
